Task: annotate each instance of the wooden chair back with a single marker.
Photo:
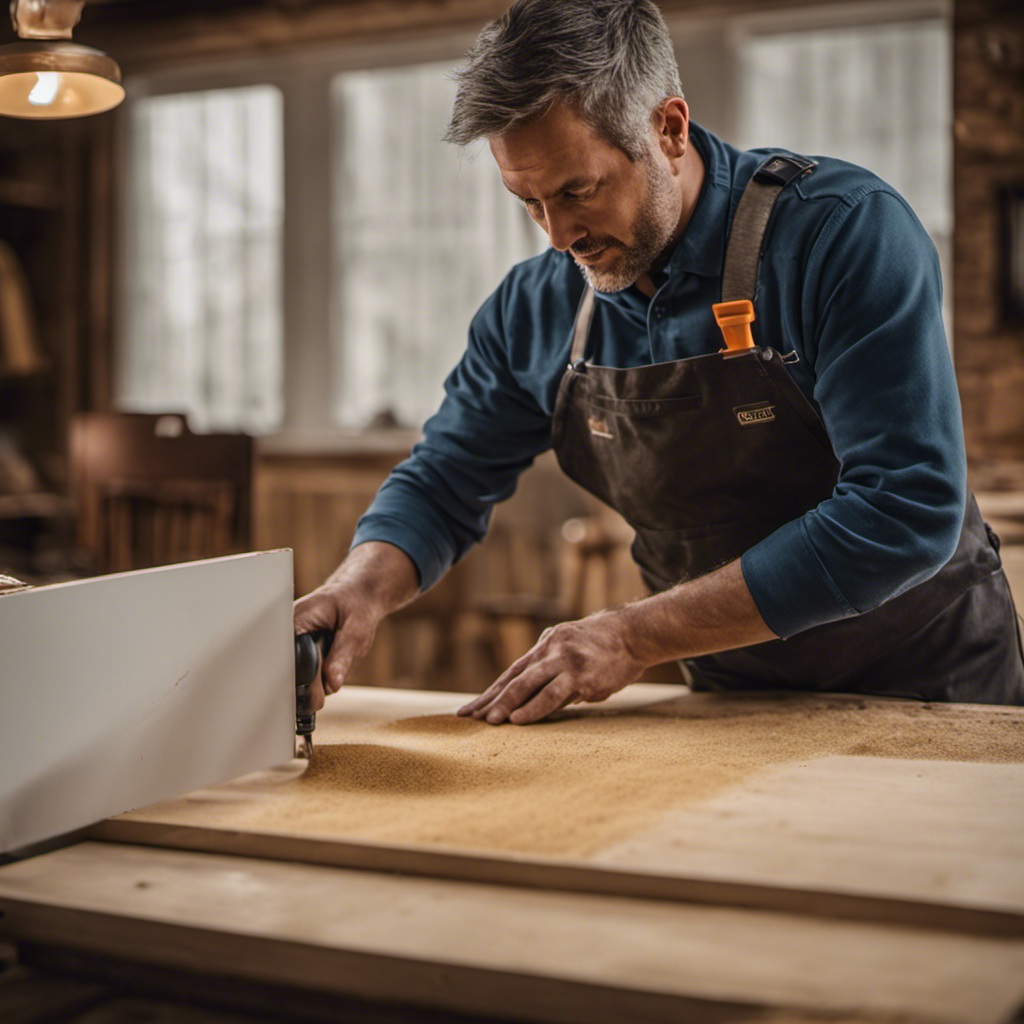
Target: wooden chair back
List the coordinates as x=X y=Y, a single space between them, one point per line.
x=150 y=492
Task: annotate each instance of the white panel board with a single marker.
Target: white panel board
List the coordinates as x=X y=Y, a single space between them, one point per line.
x=121 y=690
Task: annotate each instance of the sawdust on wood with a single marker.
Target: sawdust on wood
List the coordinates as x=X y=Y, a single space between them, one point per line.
x=586 y=779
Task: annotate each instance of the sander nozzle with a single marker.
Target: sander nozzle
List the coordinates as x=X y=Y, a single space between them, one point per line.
x=307 y=668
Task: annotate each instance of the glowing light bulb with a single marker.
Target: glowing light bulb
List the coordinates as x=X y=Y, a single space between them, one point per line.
x=44 y=92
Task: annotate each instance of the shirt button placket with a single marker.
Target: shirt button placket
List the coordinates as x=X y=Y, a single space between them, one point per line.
x=658 y=313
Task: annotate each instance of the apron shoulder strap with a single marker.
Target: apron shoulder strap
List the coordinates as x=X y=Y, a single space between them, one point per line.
x=743 y=252
x=581 y=328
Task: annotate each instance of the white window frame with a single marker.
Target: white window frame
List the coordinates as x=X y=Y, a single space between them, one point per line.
x=304 y=79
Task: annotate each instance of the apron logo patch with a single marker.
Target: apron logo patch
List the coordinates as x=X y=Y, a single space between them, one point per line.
x=760 y=412
x=599 y=428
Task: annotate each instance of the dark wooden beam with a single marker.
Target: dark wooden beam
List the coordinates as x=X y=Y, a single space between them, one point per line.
x=143 y=34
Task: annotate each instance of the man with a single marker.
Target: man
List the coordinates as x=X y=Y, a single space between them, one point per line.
x=801 y=507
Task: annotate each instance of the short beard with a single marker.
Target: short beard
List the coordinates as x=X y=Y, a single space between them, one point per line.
x=653 y=229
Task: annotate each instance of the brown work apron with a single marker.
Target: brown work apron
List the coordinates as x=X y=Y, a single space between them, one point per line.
x=707 y=456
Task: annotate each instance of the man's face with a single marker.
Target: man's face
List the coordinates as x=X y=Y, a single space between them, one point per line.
x=614 y=216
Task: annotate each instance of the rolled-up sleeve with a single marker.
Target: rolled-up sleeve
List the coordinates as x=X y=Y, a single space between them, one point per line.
x=884 y=383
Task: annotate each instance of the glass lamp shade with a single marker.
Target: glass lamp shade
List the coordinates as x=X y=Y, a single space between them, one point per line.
x=57 y=79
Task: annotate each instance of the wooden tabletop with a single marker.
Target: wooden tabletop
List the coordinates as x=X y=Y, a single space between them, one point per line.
x=845 y=886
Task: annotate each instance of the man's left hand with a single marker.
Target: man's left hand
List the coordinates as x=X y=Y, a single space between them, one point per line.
x=583 y=661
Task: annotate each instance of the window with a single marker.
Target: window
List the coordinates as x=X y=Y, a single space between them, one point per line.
x=422 y=234
x=878 y=96
x=370 y=312
x=202 y=331
x=304 y=255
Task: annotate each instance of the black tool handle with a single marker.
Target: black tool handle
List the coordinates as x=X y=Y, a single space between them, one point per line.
x=307 y=666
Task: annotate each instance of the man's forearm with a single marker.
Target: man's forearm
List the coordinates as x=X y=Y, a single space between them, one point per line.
x=374 y=580
x=381 y=572
x=592 y=658
x=711 y=613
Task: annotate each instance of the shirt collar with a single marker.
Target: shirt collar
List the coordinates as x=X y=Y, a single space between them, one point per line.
x=701 y=250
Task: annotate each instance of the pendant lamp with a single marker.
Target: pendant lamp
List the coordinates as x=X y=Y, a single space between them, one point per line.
x=48 y=76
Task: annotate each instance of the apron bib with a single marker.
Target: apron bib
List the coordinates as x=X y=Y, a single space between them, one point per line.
x=706 y=456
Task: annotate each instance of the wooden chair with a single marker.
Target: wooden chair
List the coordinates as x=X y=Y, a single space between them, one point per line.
x=150 y=492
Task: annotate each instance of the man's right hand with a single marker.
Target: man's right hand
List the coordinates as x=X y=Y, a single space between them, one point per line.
x=375 y=579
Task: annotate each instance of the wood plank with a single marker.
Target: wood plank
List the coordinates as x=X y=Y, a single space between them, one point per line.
x=480 y=948
x=172 y=995
x=670 y=883
x=949 y=829
x=120 y=690
x=918 y=839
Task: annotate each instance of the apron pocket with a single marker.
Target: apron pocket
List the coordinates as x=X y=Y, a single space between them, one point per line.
x=644 y=408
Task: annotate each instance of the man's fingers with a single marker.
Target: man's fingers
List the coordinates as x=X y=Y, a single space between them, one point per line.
x=338 y=661
x=556 y=694
x=515 y=694
x=317 y=694
x=499 y=684
x=573 y=662
x=315 y=612
x=483 y=700
x=352 y=640
x=335 y=669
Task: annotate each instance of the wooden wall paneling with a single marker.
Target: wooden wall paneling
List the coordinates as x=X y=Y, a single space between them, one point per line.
x=313 y=503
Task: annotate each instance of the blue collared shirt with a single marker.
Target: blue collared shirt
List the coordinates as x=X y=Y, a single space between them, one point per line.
x=849 y=281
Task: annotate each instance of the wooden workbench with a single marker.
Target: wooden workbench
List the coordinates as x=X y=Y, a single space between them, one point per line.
x=843 y=886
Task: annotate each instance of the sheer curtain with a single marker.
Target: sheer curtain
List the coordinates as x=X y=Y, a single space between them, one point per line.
x=202 y=325
x=878 y=96
x=422 y=234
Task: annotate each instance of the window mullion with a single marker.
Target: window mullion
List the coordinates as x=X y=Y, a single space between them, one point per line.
x=306 y=277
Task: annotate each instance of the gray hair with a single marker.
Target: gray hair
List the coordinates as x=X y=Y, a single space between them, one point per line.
x=612 y=60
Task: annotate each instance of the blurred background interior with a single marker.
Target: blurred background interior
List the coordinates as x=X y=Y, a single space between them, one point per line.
x=227 y=305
